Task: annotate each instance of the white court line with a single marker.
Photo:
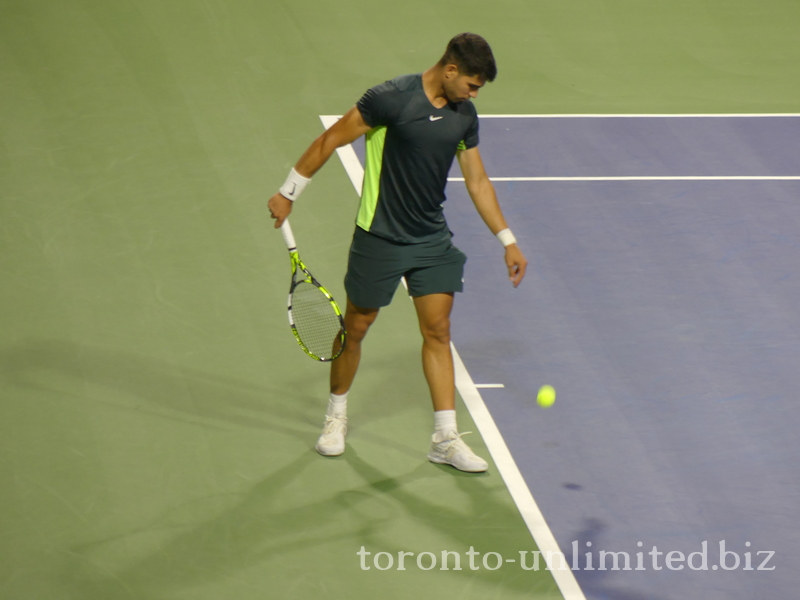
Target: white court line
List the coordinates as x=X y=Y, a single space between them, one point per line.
x=489 y=385
x=564 y=578
x=348 y=155
x=630 y=116
x=533 y=517
x=652 y=178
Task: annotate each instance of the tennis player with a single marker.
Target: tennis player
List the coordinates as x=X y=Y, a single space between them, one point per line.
x=414 y=125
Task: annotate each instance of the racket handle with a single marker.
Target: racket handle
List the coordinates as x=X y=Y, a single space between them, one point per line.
x=288 y=236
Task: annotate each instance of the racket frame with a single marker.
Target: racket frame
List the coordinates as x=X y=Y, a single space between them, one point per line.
x=294 y=256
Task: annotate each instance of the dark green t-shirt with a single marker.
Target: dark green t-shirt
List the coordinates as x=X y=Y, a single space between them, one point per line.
x=410 y=150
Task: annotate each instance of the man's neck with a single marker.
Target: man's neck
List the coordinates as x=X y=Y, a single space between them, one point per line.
x=432 y=80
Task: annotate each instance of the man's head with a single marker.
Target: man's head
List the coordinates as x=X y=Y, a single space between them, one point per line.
x=468 y=63
x=472 y=55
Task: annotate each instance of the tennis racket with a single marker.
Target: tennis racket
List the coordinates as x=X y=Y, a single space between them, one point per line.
x=314 y=316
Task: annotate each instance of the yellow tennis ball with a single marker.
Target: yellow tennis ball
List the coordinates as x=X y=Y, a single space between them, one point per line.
x=546 y=396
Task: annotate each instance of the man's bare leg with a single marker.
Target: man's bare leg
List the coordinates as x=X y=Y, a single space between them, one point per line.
x=433 y=312
x=357 y=322
x=447 y=447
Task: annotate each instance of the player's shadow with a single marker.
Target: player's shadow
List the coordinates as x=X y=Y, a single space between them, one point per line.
x=487 y=522
x=213 y=537
x=144 y=384
x=256 y=528
x=131 y=381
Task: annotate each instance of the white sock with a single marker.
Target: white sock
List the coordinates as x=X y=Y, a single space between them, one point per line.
x=337 y=405
x=444 y=423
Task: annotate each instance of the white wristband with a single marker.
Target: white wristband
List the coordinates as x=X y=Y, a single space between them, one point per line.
x=295 y=184
x=506 y=237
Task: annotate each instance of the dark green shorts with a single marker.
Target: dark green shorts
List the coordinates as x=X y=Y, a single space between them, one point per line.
x=376 y=266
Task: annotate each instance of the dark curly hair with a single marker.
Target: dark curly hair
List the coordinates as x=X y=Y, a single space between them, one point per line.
x=472 y=55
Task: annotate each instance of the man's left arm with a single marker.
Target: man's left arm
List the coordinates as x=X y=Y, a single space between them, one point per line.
x=483 y=196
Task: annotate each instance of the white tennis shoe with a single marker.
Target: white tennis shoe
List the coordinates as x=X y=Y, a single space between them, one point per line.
x=331 y=441
x=453 y=451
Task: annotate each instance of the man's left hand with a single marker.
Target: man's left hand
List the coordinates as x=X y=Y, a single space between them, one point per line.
x=516 y=263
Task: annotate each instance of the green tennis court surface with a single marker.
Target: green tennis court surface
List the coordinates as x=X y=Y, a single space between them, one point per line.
x=157 y=417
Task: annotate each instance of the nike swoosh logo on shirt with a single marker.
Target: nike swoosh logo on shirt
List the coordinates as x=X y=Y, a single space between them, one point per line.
x=432 y=118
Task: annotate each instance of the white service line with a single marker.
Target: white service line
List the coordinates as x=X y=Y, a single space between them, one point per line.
x=651 y=178
x=356 y=172
x=626 y=116
x=564 y=578
x=489 y=385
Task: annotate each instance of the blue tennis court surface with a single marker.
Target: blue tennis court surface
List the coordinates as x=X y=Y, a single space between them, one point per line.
x=641 y=146
x=665 y=314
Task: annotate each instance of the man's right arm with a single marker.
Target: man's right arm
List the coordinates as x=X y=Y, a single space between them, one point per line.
x=345 y=131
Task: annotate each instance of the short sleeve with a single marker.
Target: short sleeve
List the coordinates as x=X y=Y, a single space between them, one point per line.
x=380 y=104
x=471 y=137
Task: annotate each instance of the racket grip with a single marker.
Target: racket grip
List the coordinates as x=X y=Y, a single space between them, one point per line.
x=288 y=236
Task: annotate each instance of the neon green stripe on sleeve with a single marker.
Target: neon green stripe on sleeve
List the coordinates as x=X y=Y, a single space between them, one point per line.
x=375 y=141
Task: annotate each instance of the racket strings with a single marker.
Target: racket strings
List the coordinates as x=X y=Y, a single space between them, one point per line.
x=315 y=320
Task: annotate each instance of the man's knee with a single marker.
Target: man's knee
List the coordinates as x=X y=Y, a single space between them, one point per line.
x=357 y=329
x=358 y=321
x=437 y=330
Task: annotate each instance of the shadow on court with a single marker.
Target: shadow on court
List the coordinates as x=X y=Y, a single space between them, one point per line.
x=131 y=381
x=134 y=382
x=294 y=533
x=252 y=533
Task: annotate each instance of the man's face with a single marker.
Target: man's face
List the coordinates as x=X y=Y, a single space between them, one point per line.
x=458 y=87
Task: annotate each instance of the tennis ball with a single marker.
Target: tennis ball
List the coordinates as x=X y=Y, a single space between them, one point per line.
x=546 y=396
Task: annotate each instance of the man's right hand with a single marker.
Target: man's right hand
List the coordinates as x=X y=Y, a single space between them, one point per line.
x=279 y=209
